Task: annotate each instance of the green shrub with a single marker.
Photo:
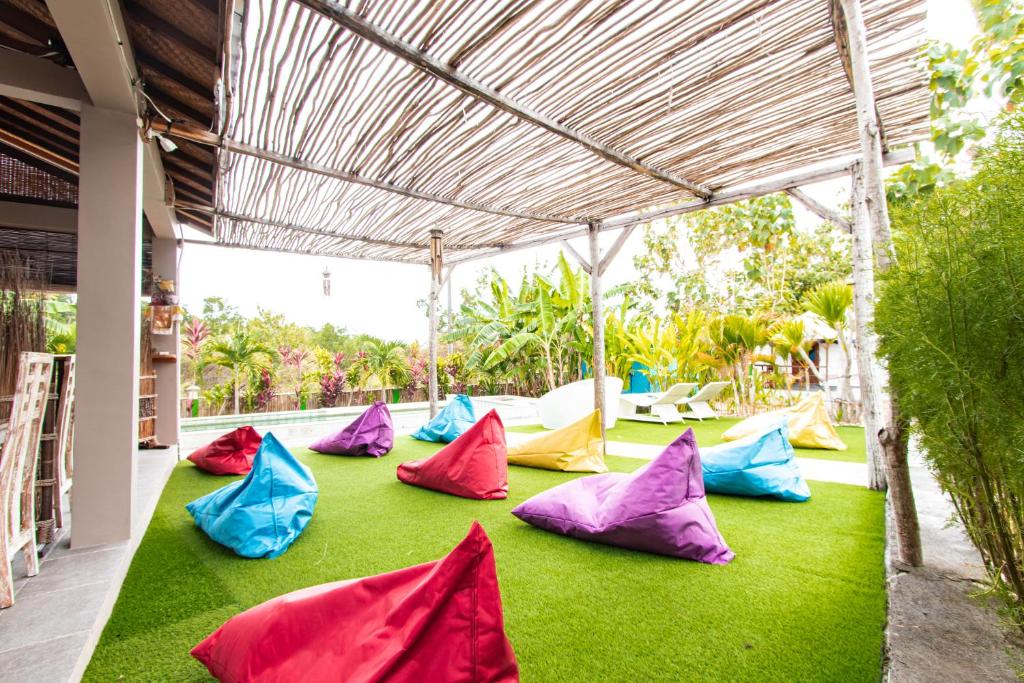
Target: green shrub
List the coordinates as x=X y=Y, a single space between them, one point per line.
x=951 y=321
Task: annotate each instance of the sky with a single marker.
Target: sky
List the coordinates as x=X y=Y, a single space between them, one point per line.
x=381 y=298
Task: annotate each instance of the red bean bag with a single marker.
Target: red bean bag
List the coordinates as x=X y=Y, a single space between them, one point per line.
x=232 y=453
x=439 y=621
x=475 y=465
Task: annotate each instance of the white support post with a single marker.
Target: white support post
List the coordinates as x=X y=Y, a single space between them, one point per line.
x=448 y=327
x=892 y=432
x=168 y=384
x=109 y=280
x=598 y=313
x=436 y=268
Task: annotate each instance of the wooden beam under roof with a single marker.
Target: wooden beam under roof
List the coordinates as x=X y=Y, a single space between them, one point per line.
x=358 y=25
x=205 y=137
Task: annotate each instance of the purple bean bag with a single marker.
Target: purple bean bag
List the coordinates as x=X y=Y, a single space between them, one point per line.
x=660 y=508
x=370 y=434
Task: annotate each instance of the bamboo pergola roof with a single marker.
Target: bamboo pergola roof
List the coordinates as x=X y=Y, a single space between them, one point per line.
x=355 y=132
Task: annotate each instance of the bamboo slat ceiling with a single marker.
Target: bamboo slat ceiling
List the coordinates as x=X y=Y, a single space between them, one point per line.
x=702 y=94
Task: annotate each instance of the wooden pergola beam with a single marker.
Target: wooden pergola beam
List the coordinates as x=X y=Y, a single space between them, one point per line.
x=306 y=252
x=584 y=263
x=359 y=26
x=830 y=215
x=204 y=137
x=725 y=196
x=228 y=215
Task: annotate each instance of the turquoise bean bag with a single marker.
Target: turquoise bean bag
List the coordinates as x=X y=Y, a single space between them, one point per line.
x=263 y=514
x=758 y=465
x=450 y=423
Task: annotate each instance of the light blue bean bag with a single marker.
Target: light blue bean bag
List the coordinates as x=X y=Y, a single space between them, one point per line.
x=450 y=423
x=758 y=465
x=263 y=514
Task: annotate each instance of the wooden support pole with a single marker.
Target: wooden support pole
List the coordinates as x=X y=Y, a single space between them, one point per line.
x=436 y=274
x=865 y=342
x=892 y=433
x=598 y=314
x=444 y=71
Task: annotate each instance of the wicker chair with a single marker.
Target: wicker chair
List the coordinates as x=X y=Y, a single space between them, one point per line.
x=18 y=469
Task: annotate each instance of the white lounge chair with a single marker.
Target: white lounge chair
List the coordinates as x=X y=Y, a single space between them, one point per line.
x=571 y=402
x=699 y=404
x=657 y=407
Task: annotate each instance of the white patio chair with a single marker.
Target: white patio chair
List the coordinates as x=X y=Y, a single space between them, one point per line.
x=18 y=469
x=699 y=405
x=656 y=407
x=571 y=402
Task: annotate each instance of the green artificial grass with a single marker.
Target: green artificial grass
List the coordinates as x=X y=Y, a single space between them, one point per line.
x=803 y=600
x=709 y=433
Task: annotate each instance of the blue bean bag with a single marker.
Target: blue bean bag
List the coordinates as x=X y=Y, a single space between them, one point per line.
x=757 y=465
x=450 y=423
x=263 y=514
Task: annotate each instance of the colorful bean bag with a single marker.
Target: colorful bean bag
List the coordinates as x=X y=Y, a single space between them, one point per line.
x=757 y=465
x=660 y=508
x=370 y=434
x=263 y=514
x=231 y=453
x=439 y=621
x=577 y=447
x=808 y=422
x=450 y=423
x=473 y=466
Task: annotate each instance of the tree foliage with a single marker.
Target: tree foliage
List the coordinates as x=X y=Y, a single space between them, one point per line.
x=745 y=257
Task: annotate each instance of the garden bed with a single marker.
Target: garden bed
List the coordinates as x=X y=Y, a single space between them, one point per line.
x=803 y=600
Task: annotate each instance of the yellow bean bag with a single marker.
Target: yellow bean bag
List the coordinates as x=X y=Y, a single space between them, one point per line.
x=577 y=447
x=808 y=421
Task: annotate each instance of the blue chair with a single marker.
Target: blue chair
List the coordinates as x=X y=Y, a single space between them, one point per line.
x=263 y=514
x=759 y=465
x=450 y=423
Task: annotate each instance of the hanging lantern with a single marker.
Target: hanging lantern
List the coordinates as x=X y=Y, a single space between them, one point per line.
x=327 y=281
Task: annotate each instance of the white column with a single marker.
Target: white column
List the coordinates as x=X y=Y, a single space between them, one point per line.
x=598 y=313
x=436 y=264
x=109 y=280
x=168 y=385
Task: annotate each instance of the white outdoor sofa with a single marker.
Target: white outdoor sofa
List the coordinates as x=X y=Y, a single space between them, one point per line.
x=571 y=402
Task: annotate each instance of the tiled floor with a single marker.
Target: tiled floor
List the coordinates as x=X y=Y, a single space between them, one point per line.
x=50 y=632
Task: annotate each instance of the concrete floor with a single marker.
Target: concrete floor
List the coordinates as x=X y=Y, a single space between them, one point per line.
x=940 y=629
x=48 y=635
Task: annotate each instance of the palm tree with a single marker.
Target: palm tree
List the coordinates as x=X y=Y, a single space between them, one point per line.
x=240 y=353
x=789 y=339
x=387 y=362
x=831 y=302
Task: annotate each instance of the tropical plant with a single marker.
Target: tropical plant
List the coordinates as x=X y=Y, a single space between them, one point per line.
x=242 y=355
x=832 y=302
x=383 y=365
x=790 y=340
x=194 y=335
x=951 y=322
